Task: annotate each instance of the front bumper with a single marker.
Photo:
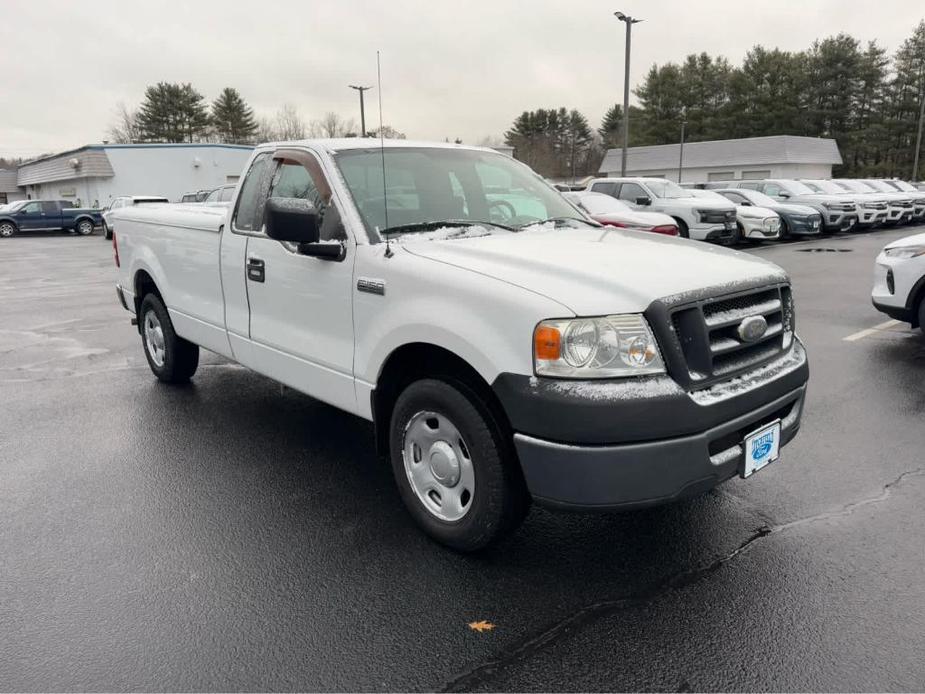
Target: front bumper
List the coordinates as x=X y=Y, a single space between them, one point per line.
x=840 y=221
x=632 y=444
x=754 y=229
x=713 y=232
x=871 y=217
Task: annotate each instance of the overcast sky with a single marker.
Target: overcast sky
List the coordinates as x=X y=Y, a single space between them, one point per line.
x=449 y=69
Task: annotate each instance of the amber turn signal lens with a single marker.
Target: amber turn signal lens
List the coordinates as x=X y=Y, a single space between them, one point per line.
x=547 y=342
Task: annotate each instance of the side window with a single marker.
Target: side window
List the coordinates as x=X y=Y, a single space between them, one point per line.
x=292 y=180
x=604 y=187
x=213 y=196
x=249 y=213
x=631 y=191
x=227 y=194
x=49 y=208
x=737 y=198
x=32 y=208
x=771 y=189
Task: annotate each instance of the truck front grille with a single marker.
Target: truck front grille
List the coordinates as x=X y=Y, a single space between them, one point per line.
x=717 y=216
x=708 y=332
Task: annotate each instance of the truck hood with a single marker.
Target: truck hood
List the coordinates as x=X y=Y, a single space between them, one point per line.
x=788 y=208
x=600 y=271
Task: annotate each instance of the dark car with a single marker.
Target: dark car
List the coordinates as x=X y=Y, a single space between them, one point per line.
x=796 y=220
x=48 y=215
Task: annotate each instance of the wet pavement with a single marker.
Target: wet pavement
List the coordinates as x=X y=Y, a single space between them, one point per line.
x=237 y=535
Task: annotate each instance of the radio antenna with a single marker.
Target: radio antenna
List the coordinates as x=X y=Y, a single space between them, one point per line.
x=385 y=198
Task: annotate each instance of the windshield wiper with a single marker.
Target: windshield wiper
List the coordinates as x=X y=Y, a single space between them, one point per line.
x=554 y=220
x=434 y=225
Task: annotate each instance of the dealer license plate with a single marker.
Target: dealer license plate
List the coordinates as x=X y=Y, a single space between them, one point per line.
x=762 y=447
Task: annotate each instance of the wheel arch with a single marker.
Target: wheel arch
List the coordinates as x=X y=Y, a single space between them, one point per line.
x=417 y=360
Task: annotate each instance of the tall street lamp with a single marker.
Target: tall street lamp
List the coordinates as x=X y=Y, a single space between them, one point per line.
x=362 y=111
x=681 y=151
x=629 y=21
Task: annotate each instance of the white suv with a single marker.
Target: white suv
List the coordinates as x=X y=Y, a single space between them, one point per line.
x=899 y=281
x=697 y=218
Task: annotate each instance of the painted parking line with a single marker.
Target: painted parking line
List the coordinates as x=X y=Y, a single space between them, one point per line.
x=861 y=334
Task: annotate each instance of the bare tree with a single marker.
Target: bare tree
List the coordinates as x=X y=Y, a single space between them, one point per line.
x=388 y=132
x=266 y=130
x=332 y=125
x=124 y=127
x=289 y=124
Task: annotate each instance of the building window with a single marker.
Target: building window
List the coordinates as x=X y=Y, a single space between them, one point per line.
x=723 y=176
x=756 y=175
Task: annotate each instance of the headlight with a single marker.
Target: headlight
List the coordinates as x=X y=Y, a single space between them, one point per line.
x=607 y=347
x=771 y=224
x=702 y=214
x=905 y=251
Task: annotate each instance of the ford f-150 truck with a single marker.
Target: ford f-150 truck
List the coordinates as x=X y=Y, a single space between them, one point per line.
x=506 y=348
x=48 y=215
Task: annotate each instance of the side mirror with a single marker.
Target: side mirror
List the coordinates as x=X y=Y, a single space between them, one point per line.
x=643 y=200
x=783 y=194
x=745 y=203
x=297 y=221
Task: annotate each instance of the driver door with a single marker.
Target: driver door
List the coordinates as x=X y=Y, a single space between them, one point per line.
x=301 y=307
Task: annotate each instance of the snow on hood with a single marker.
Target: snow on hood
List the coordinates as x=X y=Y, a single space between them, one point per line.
x=917 y=240
x=600 y=271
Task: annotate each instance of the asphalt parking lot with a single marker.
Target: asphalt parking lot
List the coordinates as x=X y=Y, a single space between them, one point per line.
x=236 y=535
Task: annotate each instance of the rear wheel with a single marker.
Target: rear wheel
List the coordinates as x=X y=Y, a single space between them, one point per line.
x=171 y=358
x=456 y=472
x=84 y=227
x=683 y=231
x=7 y=229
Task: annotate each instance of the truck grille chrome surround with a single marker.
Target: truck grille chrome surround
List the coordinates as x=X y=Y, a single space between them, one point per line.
x=706 y=341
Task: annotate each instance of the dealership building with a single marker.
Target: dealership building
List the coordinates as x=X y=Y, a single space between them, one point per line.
x=95 y=174
x=775 y=156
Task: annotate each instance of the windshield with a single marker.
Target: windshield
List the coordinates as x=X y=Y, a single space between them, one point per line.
x=14 y=206
x=756 y=198
x=854 y=186
x=797 y=188
x=826 y=187
x=598 y=203
x=879 y=186
x=667 y=189
x=428 y=185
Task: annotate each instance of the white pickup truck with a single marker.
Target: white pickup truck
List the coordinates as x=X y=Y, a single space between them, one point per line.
x=506 y=348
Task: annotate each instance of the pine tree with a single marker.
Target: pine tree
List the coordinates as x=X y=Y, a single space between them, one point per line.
x=232 y=119
x=172 y=113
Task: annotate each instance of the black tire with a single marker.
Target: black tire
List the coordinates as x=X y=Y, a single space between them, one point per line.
x=179 y=359
x=784 y=230
x=7 y=229
x=107 y=232
x=683 y=231
x=84 y=227
x=499 y=500
x=922 y=315
x=739 y=236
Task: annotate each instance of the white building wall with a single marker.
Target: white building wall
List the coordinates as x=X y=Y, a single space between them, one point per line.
x=703 y=174
x=151 y=170
x=169 y=171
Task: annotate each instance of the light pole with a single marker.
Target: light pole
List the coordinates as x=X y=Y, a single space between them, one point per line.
x=681 y=151
x=362 y=111
x=918 y=139
x=629 y=21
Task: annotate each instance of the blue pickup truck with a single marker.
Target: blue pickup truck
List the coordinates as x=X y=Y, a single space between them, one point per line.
x=48 y=215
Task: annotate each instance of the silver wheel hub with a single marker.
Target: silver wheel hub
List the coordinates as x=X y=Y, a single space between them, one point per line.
x=438 y=465
x=154 y=338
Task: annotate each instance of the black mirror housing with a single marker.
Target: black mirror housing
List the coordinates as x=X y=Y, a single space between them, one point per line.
x=292 y=219
x=643 y=200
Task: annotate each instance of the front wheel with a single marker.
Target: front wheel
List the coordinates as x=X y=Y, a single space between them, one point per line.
x=171 y=358
x=107 y=232
x=683 y=231
x=922 y=316
x=84 y=227
x=7 y=229
x=456 y=472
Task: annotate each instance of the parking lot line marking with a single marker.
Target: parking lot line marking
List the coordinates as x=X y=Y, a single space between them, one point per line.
x=861 y=334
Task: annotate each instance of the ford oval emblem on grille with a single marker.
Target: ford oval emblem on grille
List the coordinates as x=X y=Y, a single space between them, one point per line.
x=752 y=329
